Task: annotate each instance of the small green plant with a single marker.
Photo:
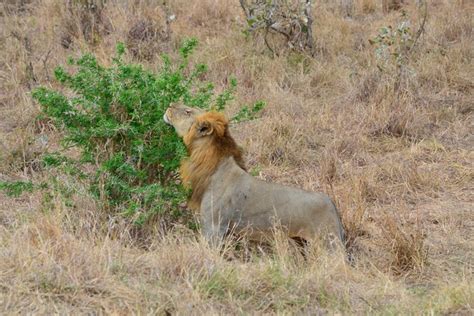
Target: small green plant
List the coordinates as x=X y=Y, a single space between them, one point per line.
x=255 y=171
x=247 y=113
x=392 y=45
x=16 y=188
x=392 y=49
x=114 y=119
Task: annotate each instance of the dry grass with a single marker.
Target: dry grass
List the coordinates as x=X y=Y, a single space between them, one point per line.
x=399 y=165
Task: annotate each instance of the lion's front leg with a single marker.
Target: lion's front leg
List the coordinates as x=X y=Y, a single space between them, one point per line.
x=213 y=227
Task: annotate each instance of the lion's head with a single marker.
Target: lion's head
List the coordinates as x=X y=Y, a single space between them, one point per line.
x=181 y=117
x=207 y=138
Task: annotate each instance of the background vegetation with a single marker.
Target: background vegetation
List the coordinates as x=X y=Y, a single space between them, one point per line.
x=382 y=125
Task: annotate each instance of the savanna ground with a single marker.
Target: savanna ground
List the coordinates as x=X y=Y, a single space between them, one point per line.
x=394 y=151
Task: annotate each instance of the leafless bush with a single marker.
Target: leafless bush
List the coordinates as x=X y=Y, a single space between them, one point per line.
x=84 y=18
x=146 y=38
x=392 y=5
x=29 y=72
x=14 y=6
x=347 y=7
x=289 y=18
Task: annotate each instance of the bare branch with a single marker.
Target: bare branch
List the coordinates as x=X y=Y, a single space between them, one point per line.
x=421 y=29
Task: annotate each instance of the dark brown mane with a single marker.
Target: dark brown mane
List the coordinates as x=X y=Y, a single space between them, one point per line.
x=206 y=153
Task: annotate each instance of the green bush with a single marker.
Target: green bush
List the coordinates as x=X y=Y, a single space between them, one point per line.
x=115 y=119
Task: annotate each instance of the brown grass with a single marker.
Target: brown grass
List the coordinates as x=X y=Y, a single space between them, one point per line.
x=399 y=165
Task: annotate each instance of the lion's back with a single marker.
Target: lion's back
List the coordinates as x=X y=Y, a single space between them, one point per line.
x=261 y=205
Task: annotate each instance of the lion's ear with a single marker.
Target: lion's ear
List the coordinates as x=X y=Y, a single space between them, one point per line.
x=211 y=123
x=204 y=129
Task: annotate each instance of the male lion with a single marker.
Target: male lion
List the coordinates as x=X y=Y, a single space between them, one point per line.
x=228 y=198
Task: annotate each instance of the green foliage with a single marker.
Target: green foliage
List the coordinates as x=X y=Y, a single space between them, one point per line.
x=394 y=49
x=249 y=112
x=393 y=44
x=114 y=117
x=16 y=188
x=226 y=96
x=64 y=164
x=255 y=171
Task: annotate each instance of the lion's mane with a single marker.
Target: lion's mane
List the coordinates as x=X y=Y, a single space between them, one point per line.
x=205 y=154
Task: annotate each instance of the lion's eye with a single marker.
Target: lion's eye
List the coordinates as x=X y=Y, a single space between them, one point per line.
x=188 y=112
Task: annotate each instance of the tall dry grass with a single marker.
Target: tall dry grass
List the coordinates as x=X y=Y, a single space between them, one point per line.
x=398 y=163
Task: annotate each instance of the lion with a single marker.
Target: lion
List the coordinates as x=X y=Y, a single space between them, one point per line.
x=229 y=199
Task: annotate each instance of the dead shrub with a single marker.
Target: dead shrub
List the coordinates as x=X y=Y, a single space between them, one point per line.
x=146 y=39
x=369 y=6
x=15 y=6
x=84 y=19
x=392 y=5
x=290 y=20
x=29 y=77
x=347 y=8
